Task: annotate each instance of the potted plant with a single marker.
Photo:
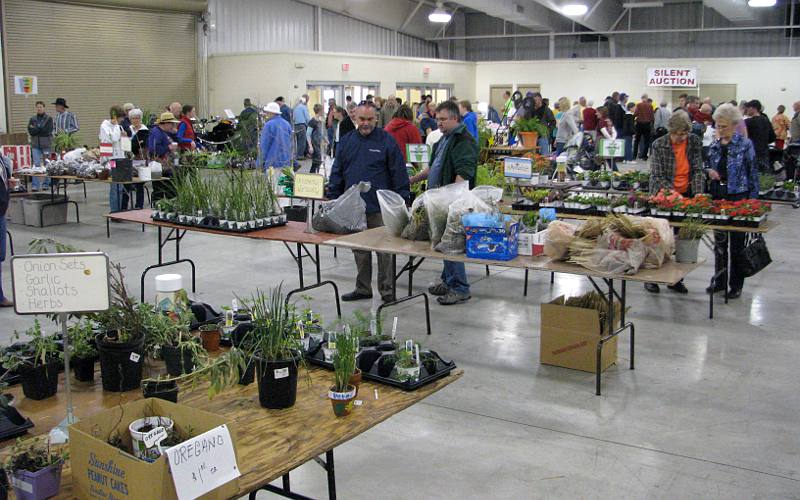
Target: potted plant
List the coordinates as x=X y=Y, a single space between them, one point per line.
x=765 y=184
x=35 y=469
x=343 y=391
x=688 y=240
x=169 y=336
x=121 y=343
x=605 y=179
x=139 y=428
x=617 y=180
x=407 y=366
x=38 y=364
x=83 y=353
x=63 y=142
x=275 y=348
x=211 y=337
x=529 y=130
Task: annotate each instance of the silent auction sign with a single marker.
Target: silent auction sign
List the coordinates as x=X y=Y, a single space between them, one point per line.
x=60 y=283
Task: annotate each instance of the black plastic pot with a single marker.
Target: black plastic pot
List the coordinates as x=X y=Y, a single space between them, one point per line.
x=40 y=382
x=3 y=486
x=179 y=361
x=162 y=390
x=249 y=374
x=84 y=368
x=296 y=213
x=120 y=364
x=385 y=365
x=277 y=382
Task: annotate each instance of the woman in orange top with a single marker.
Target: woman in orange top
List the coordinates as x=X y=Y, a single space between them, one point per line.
x=781 y=123
x=676 y=163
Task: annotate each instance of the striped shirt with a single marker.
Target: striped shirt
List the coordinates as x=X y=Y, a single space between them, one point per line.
x=66 y=122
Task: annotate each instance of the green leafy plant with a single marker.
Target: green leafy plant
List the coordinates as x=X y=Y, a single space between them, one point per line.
x=220 y=372
x=605 y=176
x=406 y=359
x=766 y=181
x=33 y=455
x=344 y=360
x=692 y=229
x=64 y=142
x=530 y=125
x=41 y=349
x=490 y=174
x=81 y=339
x=273 y=336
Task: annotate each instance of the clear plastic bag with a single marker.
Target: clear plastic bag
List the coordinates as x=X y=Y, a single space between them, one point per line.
x=453 y=239
x=394 y=211
x=344 y=215
x=557 y=239
x=438 y=206
x=419 y=226
x=489 y=194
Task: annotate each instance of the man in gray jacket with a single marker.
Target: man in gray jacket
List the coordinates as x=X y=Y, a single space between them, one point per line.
x=40 y=130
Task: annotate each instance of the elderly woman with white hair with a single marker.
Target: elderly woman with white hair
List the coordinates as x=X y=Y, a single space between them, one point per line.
x=734 y=176
x=676 y=163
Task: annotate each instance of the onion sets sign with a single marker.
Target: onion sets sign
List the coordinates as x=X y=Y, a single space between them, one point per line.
x=671 y=77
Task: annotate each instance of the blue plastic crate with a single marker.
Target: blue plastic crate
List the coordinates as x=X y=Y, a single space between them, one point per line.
x=492 y=242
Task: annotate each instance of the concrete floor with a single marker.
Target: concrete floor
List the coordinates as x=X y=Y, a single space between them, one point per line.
x=711 y=410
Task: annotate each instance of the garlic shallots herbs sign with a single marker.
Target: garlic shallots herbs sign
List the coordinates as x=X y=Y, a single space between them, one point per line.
x=60 y=283
x=203 y=463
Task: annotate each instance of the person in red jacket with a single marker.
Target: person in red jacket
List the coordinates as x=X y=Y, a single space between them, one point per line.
x=403 y=129
x=186 y=136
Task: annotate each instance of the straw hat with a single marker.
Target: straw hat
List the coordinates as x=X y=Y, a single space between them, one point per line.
x=167 y=118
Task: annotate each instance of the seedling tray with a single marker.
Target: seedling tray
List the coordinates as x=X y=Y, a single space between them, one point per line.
x=369 y=361
x=12 y=423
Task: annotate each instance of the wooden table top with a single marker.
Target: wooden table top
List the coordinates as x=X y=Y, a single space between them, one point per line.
x=292 y=232
x=270 y=442
x=135 y=180
x=379 y=240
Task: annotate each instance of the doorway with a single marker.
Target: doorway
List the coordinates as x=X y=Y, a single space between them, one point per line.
x=411 y=93
x=496 y=98
x=320 y=92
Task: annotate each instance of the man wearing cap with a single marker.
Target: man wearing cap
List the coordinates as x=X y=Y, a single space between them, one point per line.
x=159 y=142
x=276 y=140
x=369 y=154
x=65 y=120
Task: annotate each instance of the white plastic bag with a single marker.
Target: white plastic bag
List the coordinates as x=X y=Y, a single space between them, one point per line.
x=344 y=215
x=453 y=239
x=438 y=206
x=489 y=194
x=419 y=226
x=74 y=155
x=393 y=210
x=557 y=239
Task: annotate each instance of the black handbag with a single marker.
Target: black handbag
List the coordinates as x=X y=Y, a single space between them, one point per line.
x=755 y=256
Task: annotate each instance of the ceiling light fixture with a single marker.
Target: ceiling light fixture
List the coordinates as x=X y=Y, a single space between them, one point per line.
x=574 y=9
x=439 y=15
x=761 y=3
x=642 y=5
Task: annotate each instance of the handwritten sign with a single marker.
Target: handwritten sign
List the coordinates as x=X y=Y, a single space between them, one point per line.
x=418 y=153
x=519 y=168
x=608 y=148
x=203 y=463
x=60 y=283
x=310 y=186
x=26 y=85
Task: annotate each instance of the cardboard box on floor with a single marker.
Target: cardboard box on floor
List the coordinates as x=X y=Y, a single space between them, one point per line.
x=569 y=337
x=101 y=471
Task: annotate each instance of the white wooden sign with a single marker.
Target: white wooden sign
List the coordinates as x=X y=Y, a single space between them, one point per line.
x=203 y=463
x=60 y=283
x=670 y=76
x=519 y=168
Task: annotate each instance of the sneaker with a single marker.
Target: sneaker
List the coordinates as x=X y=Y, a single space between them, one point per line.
x=679 y=287
x=652 y=288
x=439 y=290
x=350 y=297
x=452 y=298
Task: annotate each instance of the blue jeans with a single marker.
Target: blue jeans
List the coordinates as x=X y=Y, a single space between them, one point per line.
x=38 y=161
x=2 y=251
x=454 y=276
x=560 y=147
x=117 y=198
x=544 y=146
x=300 y=133
x=628 y=147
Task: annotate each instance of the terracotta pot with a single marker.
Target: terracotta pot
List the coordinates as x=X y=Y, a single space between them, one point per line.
x=210 y=339
x=342 y=402
x=529 y=139
x=355 y=380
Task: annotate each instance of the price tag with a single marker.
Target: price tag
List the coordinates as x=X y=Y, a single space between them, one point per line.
x=331 y=345
x=311 y=186
x=519 y=168
x=135 y=358
x=394 y=328
x=23 y=485
x=281 y=373
x=418 y=153
x=203 y=463
x=155 y=436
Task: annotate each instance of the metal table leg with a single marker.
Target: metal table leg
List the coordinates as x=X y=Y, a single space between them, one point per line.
x=175 y=235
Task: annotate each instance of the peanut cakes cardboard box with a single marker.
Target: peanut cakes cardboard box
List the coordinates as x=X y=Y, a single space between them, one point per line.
x=569 y=337
x=103 y=471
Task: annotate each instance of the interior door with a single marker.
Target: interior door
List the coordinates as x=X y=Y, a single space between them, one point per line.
x=496 y=98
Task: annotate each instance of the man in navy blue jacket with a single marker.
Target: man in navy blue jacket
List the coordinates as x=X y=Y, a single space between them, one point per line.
x=372 y=155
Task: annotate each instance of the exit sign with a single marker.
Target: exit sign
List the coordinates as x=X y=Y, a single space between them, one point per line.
x=345 y=67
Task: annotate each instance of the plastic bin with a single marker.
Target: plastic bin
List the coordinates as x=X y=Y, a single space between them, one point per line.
x=16 y=211
x=51 y=216
x=492 y=242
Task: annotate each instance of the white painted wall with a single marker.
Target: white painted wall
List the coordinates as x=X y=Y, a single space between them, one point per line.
x=263 y=76
x=773 y=81
x=3 y=90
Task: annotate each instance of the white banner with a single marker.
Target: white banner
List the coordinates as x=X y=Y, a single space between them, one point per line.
x=668 y=76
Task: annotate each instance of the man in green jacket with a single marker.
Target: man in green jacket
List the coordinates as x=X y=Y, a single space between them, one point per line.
x=454 y=159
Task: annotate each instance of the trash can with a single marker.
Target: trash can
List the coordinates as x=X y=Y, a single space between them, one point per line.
x=16 y=212
x=50 y=216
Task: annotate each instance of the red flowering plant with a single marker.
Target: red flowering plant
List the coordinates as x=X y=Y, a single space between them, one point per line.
x=749 y=209
x=666 y=199
x=697 y=205
x=722 y=207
